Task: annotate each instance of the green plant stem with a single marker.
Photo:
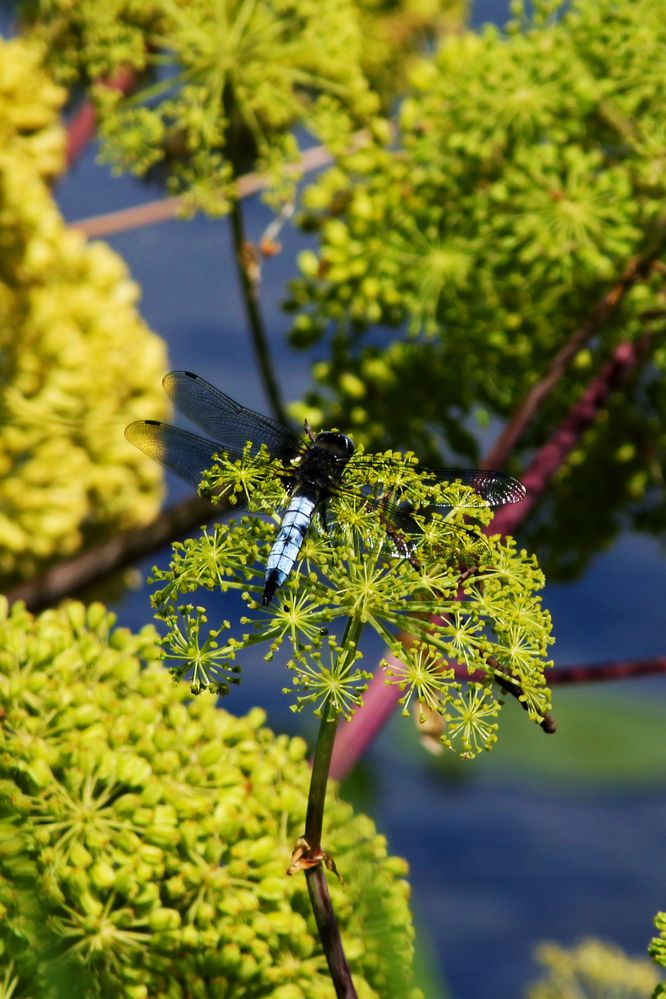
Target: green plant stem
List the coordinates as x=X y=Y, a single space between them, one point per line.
x=320 y=899
x=327 y=925
x=254 y=316
x=321 y=763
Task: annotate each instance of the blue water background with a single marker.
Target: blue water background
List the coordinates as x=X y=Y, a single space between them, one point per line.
x=498 y=862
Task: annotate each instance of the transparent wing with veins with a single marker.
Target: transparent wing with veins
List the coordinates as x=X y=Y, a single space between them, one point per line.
x=489 y=489
x=371 y=480
x=230 y=425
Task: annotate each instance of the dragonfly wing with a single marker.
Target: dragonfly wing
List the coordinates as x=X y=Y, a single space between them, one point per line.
x=226 y=420
x=183 y=453
x=491 y=488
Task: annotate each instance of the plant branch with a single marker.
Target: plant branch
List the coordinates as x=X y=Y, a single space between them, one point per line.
x=380 y=701
x=165 y=209
x=625 y=359
x=603 y=672
x=68 y=578
x=357 y=734
x=635 y=271
x=590 y=673
x=504 y=680
x=309 y=854
x=320 y=899
x=314 y=817
x=329 y=933
x=248 y=284
x=309 y=857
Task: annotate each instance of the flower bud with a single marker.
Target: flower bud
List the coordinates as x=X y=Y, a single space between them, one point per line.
x=164 y=919
x=102 y=875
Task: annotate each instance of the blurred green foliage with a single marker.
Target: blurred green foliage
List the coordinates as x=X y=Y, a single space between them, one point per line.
x=75 y=357
x=604 y=737
x=591 y=968
x=30 y=103
x=453 y=262
x=144 y=840
x=223 y=83
x=657 y=951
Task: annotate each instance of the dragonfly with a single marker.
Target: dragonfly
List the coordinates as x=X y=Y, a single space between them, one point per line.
x=311 y=467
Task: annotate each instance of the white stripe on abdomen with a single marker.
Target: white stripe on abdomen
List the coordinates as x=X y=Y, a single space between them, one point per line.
x=290 y=538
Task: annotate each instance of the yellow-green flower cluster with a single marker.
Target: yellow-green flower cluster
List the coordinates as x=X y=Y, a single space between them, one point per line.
x=144 y=839
x=468 y=603
x=75 y=356
x=228 y=81
x=592 y=968
x=657 y=950
x=29 y=106
x=395 y=33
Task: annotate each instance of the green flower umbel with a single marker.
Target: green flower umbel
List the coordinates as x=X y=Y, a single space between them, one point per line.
x=144 y=841
x=457 y=609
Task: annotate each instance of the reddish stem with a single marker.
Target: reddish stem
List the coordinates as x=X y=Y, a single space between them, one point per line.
x=549 y=458
x=165 y=209
x=621 y=670
x=329 y=933
x=67 y=578
x=590 y=673
x=636 y=270
x=81 y=125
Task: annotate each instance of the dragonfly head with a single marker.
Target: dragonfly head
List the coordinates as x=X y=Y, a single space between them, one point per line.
x=337 y=444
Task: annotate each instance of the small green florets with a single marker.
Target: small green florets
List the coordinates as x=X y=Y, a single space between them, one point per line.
x=657 y=948
x=455 y=607
x=144 y=840
x=67 y=308
x=223 y=86
x=592 y=968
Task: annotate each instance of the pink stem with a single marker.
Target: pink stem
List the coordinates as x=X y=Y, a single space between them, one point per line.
x=81 y=125
x=621 y=670
x=590 y=673
x=550 y=457
x=636 y=270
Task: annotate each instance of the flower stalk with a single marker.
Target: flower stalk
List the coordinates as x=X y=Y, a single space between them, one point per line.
x=320 y=899
x=244 y=257
x=309 y=853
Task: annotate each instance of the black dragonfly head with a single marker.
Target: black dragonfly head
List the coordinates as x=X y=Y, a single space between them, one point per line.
x=339 y=445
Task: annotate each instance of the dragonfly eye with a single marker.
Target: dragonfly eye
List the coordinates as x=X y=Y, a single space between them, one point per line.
x=341 y=446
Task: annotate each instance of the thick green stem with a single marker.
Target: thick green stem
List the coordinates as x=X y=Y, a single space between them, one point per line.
x=254 y=316
x=321 y=764
x=320 y=900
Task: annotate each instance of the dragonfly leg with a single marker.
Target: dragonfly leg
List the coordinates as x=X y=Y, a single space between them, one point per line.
x=309 y=431
x=322 y=516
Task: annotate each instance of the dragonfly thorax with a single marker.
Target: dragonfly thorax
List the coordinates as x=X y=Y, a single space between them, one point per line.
x=322 y=465
x=339 y=445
